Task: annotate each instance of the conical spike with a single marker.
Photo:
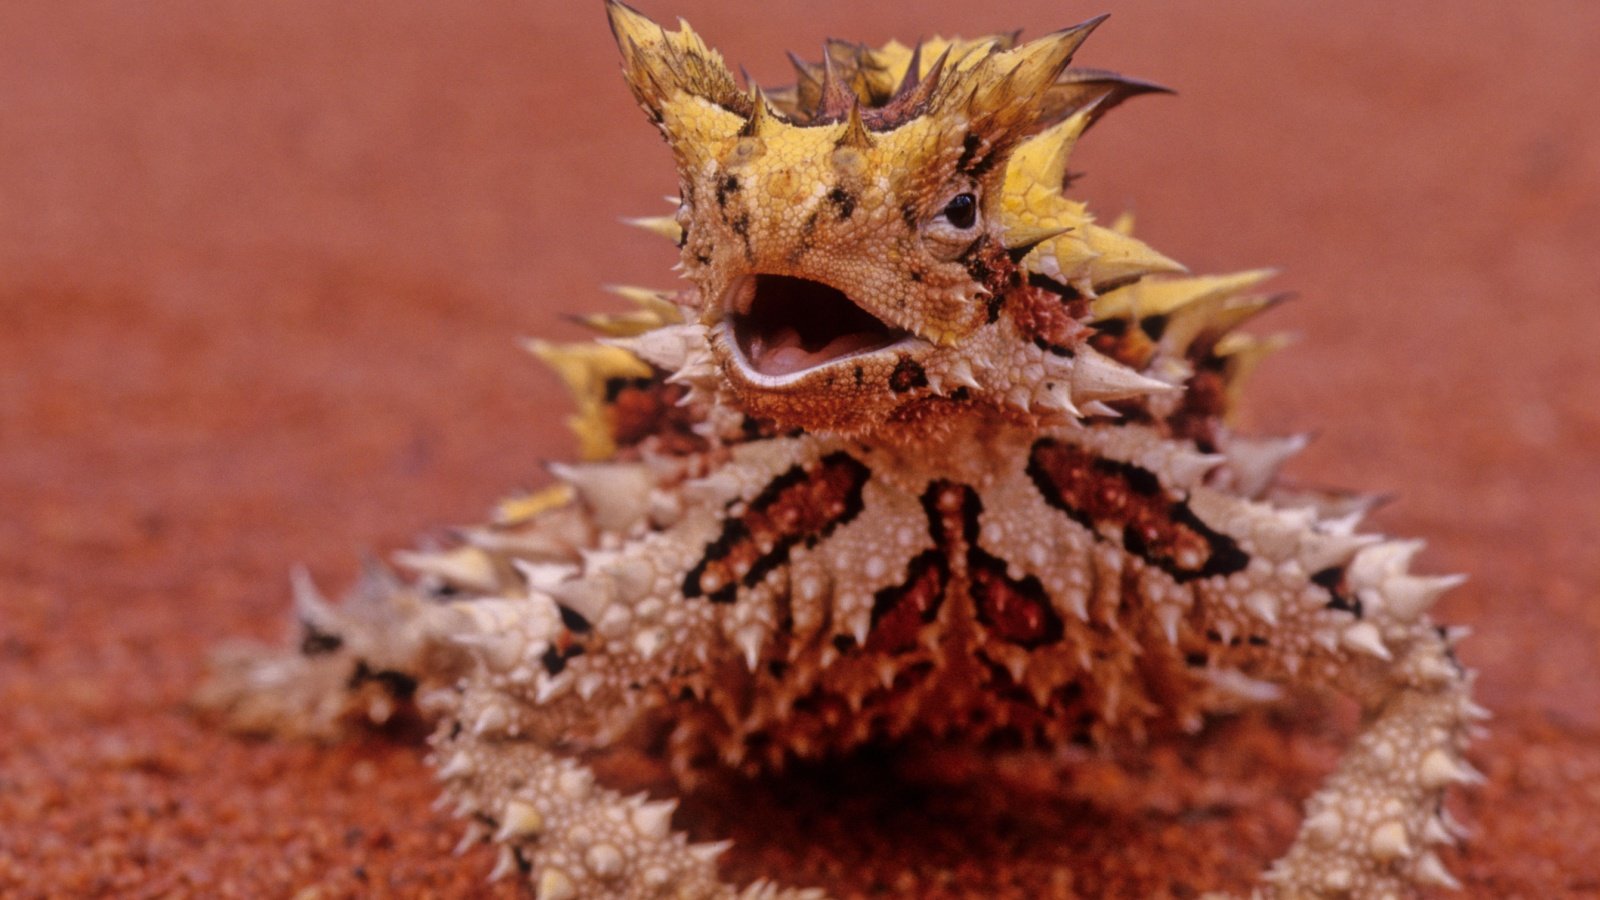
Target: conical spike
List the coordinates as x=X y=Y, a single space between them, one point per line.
x=762 y=122
x=1093 y=92
x=807 y=89
x=1431 y=871
x=310 y=607
x=1120 y=257
x=855 y=134
x=1021 y=239
x=626 y=324
x=1194 y=330
x=664 y=226
x=914 y=93
x=837 y=97
x=663 y=68
x=912 y=75
x=998 y=89
x=1165 y=296
x=466 y=567
x=659 y=302
x=1098 y=377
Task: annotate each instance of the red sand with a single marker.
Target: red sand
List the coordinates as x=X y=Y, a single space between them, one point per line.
x=261 y=271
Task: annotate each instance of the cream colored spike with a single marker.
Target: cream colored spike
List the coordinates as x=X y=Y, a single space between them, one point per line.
x=1160 y=297
x=1119 y=257
x=467 y=567
x=663 y=226
x=654 y=309
x=614 y=492
x=1098 y=377
x=1209 y=319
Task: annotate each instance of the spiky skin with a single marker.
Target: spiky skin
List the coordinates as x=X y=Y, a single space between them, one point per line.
x=1006 y=503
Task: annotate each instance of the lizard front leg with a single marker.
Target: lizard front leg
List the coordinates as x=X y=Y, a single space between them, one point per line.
x=507 y=745
x=1370 y=830
x=1353 y=622
x=572 y=665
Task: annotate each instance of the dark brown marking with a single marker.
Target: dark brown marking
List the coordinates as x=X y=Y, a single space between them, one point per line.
x=1054 y=349
x=844 y=201
x=1331 y=580
x=569 y=644
x=726 y=186
x=316 y=642
x=808 y=234
x=396 y=683
x=1013 y=610
x=899 y=612
x=741 y=227
x=1164 y=532
x=572 y=619
x=992 y=307
x=555 y=661
x=969 y=150
x=1046 y=283
x=615 y=386
x=907 y=376
x=798 y=505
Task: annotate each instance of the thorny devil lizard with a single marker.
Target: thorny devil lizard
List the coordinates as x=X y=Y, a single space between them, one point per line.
x=921 y=452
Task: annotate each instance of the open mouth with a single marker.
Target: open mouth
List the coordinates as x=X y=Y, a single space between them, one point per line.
x=784 y=326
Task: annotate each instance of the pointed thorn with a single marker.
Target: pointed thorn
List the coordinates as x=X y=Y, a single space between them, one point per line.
x=708 y=853
x=1390 y=841
x=855 y=134
x=459 y=764
x=1023 y=242
x=505 y=863
x=1364 y=637
x=1431 y=871
x=471 y=836
x=654 y=820
x=519 y=820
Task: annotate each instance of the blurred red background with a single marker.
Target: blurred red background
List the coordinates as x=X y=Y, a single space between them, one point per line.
x=263 y=268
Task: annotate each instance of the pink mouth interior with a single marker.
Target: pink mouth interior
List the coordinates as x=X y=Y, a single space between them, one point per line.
x=786 y=325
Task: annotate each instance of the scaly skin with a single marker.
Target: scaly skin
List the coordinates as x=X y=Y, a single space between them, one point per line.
x=921 y=453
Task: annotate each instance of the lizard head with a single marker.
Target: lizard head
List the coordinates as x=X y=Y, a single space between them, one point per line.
x=855 y=239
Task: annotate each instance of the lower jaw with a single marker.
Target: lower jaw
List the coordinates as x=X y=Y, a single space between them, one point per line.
x=739 y=366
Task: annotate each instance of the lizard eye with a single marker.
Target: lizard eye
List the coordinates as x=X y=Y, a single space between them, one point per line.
x=961 y=211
